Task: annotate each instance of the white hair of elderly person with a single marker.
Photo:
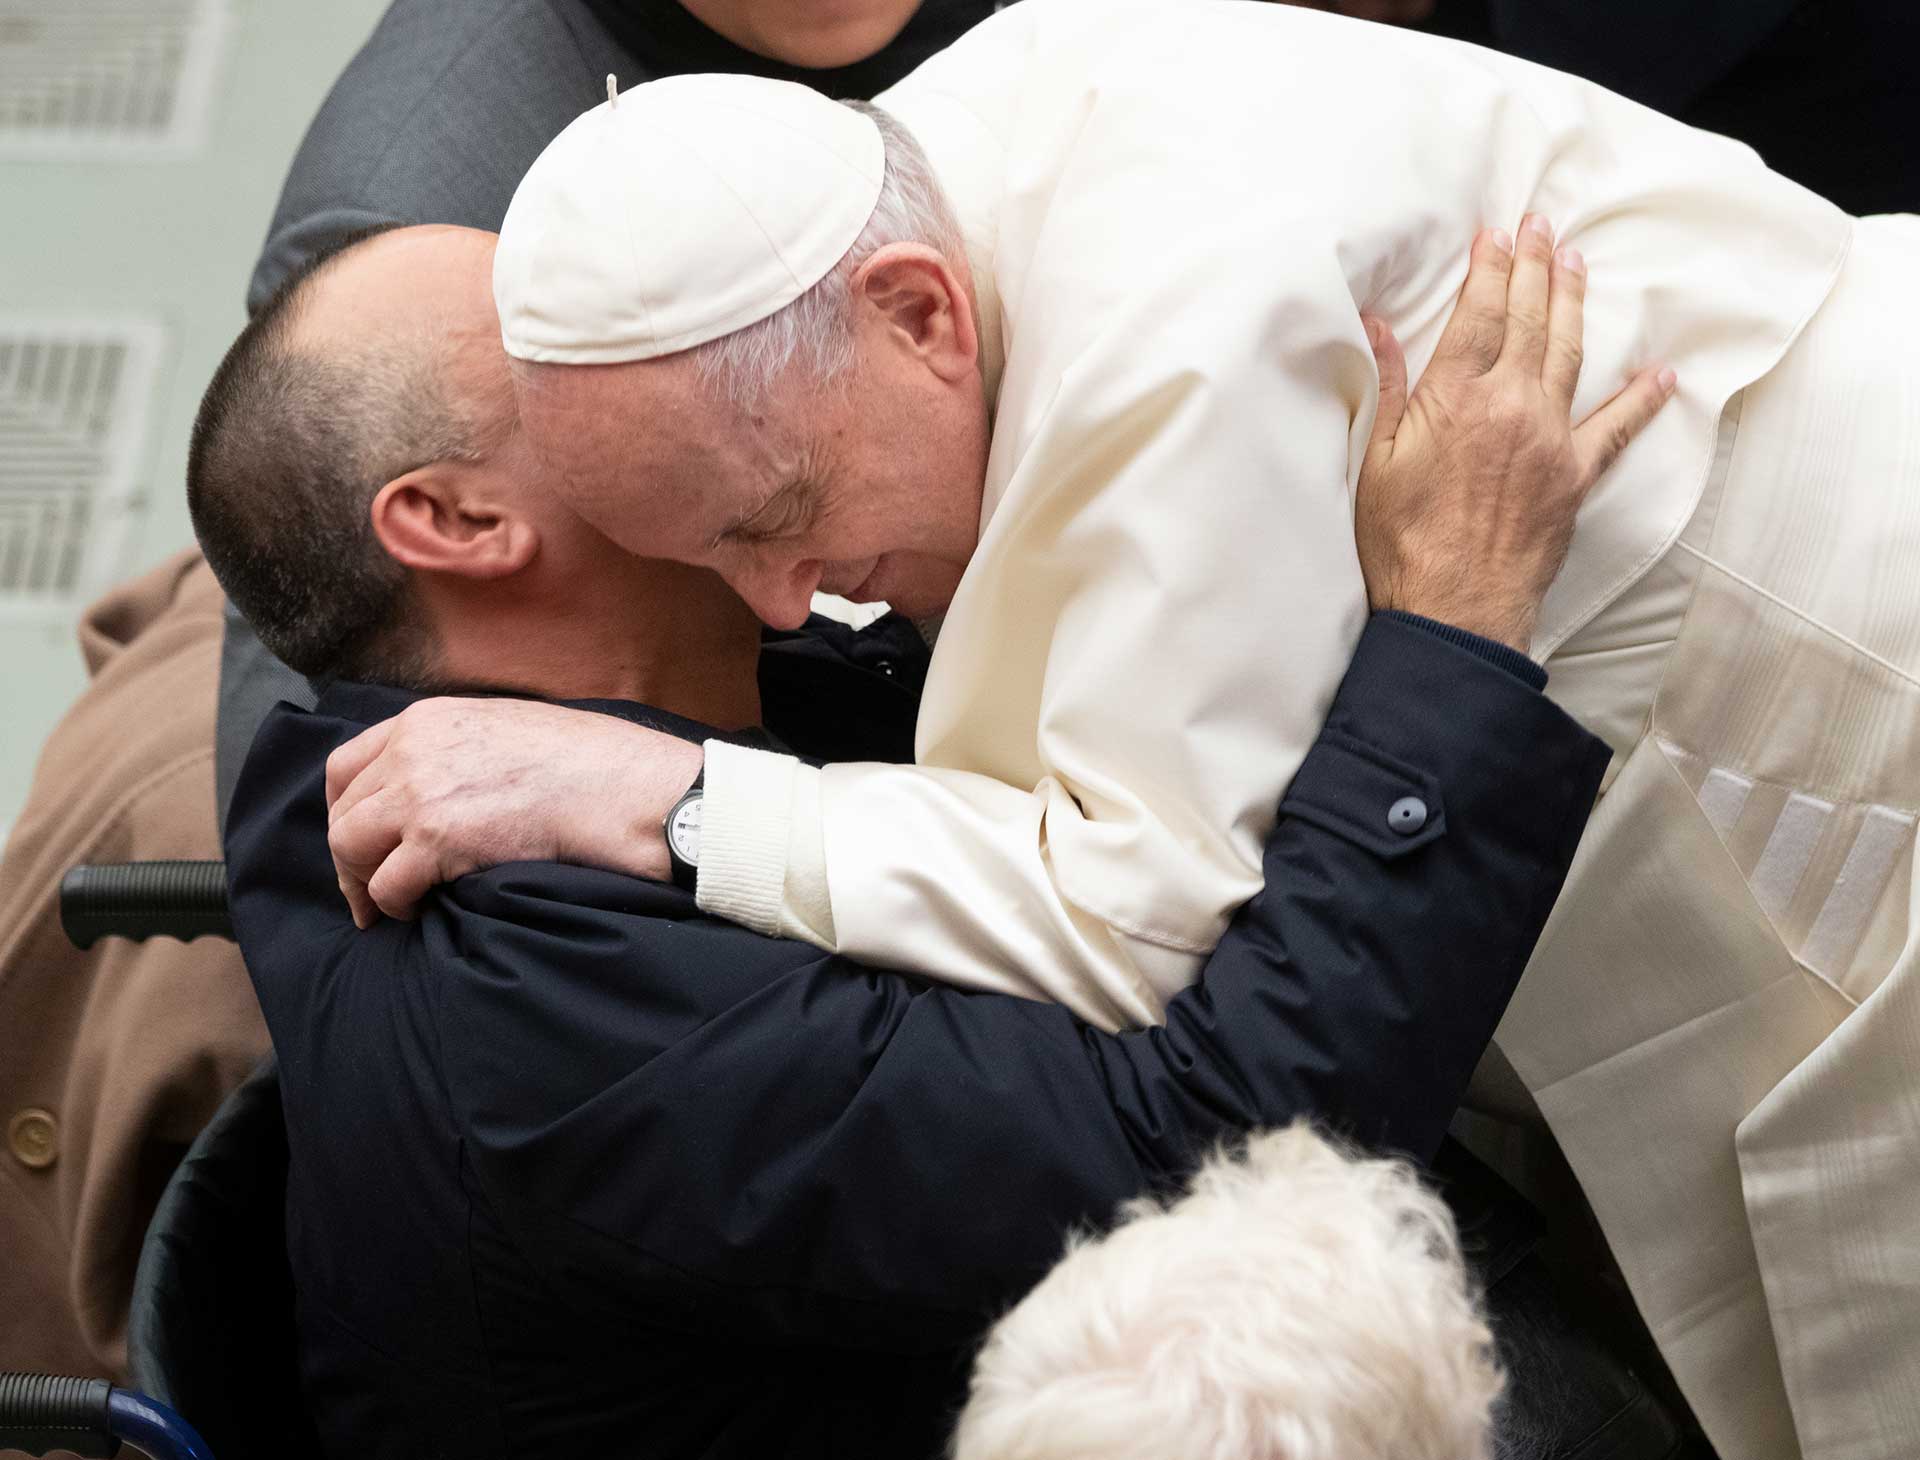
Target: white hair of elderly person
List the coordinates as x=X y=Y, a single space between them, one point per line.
x=1298 y=1302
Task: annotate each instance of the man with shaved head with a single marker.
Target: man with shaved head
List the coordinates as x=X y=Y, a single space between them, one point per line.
x=361 y=434
x=575 y=1168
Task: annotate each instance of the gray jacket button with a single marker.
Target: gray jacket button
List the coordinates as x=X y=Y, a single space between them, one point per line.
x=1407 y=815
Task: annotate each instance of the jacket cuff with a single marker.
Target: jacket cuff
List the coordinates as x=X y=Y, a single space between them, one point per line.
x=1492 y=650
x=746 y=816
x=1423 y=708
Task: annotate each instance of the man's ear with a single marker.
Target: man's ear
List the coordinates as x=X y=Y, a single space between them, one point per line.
x=917 y=298
x=432 y=522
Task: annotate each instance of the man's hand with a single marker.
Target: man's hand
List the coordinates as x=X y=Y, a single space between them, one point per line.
x=1469 y=489
x=450 y=786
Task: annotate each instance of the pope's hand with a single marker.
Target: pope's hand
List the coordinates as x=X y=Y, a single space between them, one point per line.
x=1468 y=491
x=452 y=786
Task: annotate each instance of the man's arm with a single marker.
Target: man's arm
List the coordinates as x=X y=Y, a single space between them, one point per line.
x=821 y=1151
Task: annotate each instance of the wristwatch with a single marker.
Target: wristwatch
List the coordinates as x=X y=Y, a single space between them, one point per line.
x=682 y=828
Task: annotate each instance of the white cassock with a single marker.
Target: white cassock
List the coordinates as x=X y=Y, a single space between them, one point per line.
x=1175 y=212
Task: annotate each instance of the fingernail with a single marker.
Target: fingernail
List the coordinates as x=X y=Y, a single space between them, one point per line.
x=1571 y=261
x=1503 y=240
x=1666 y=380
x=1536 y=223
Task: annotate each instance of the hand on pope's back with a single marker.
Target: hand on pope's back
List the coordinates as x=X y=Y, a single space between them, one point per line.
x=1469 y=488
x=452 y=786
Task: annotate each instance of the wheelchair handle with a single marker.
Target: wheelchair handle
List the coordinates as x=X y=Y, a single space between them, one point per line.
x=140 y=900
x=41 y=1413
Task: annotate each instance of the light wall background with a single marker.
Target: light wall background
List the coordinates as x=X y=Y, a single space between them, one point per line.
x=171 y=239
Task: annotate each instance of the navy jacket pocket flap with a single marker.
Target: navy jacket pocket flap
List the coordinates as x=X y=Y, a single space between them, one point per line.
x=1374 y=800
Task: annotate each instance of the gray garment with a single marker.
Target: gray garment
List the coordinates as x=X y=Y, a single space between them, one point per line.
x=434 y=121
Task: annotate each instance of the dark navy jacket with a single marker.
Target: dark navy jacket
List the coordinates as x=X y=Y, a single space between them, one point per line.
x=577 y=1170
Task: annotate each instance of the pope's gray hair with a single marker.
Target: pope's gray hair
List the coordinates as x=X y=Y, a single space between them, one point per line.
x=814 y=333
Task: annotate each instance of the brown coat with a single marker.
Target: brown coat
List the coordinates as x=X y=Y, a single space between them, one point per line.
x=113 y=1059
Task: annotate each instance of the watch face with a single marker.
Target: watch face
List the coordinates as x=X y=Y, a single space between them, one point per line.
x=683 y=829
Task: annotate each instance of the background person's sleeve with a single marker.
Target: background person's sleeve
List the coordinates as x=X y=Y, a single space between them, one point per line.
x=435 y=121
x=747 y=1141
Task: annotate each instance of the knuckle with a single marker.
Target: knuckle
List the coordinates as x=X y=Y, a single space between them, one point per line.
x=1486 y=329
x=1527 y=317
x=1510 y=406
x=1478 y=341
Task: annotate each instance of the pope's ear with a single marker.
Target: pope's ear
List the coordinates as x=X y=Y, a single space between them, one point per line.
x=918 y=299
x=430 y=521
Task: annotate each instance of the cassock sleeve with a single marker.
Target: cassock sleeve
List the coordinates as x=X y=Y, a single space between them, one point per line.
x=1160 y=607
x=753 y=1138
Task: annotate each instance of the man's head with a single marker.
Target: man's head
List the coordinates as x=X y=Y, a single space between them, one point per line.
x=1299 y=1303
x=836 y=442
x=361 y=488
x=297 y=433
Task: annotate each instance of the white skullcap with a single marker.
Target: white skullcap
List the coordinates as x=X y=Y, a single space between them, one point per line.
x=679 y=212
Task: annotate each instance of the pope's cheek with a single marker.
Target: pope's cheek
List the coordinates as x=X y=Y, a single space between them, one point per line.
x=916 y=586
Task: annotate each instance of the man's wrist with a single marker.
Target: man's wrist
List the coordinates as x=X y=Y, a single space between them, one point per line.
x=646 y=786
x=1502 y=655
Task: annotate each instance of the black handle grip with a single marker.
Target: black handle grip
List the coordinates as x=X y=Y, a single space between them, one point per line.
x=41 y=1413
x=138 y=900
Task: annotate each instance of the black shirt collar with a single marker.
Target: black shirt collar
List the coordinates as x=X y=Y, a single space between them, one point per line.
x=828 y=693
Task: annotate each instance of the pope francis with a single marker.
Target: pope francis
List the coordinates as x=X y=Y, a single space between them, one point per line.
x=1065 y=339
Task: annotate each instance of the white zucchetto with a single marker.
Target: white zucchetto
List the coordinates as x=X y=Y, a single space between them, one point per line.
x=678 y=212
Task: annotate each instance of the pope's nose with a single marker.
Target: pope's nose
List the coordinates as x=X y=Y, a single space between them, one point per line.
x=781 y=596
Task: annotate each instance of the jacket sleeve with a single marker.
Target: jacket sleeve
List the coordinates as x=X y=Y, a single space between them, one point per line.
x=854 y=1157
